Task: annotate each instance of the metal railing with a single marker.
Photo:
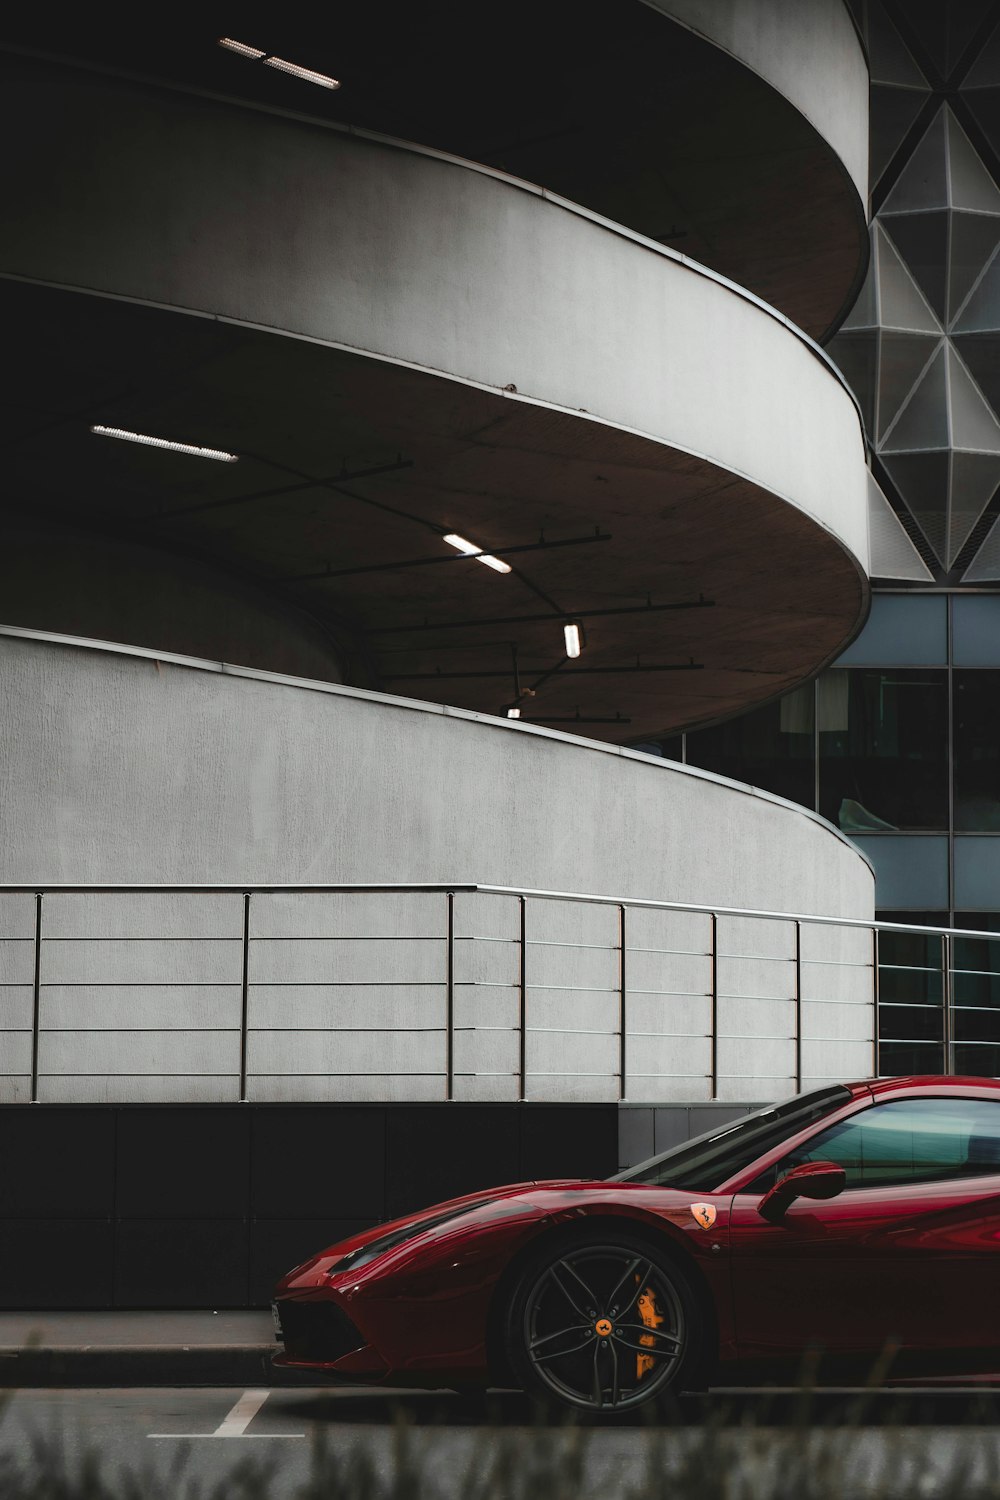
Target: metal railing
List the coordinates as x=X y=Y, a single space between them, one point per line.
x=448 y=991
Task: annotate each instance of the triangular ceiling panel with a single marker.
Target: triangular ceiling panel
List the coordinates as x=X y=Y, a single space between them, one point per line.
x=945 y=27
x=923 y=182
x=893 y=555
x=974 y=427
x=984 y=104
x=985 y=566
x=902 y=358
x=901 y=304
x=864 y=313
x=971 y=186
x=974 y=238
x=985 y=71
x=922 y=481
x=980 y=312
x=889 y=58
x=980 y=353
x=922 y=423
x=922 y=241
x=962 y=20
x=893 y=114
x=974 y=479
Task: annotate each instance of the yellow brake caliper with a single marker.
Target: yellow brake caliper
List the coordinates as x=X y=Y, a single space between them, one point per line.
x=652 y=1319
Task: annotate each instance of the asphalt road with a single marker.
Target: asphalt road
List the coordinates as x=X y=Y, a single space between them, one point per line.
x=174 y=1438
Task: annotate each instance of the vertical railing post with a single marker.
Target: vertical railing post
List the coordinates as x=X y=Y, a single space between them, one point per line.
x=798 y=1007
x=622 y=1006
x=245 y=997
x=522 y=1001
x=947 y=1003
x=876 y=1043
x=36 y=998
x=713 y=995
x=450 y=1001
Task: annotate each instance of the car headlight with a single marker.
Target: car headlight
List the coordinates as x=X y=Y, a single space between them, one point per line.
x=374 y=1248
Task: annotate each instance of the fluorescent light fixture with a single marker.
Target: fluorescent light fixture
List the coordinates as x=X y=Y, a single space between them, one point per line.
x=256 y=54
x=574 y=643
x=305 y=73
x=470 y=549
x=157 y=442
x=513 y=713
x=241 y=48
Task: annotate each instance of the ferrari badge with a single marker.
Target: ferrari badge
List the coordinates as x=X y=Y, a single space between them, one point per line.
x=704 y=1213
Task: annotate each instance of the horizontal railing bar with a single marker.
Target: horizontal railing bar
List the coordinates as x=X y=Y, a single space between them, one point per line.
x=635 y=989
x=760 y=958
x=911 y=968
x=463 y=888
x=836 y=963
x=670 y=1036
x=140 y=984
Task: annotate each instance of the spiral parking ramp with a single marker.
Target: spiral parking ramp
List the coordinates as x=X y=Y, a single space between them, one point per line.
x=382 y=461
x=517 y=325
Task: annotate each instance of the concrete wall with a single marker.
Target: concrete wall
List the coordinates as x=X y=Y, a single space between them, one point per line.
x=421 y=260
x=809 y=50
x=119 y=768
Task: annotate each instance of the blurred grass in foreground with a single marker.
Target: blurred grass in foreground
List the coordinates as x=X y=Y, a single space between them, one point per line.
x=725 y=1455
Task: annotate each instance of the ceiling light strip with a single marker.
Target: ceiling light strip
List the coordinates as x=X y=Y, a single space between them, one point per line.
x=241 y=48
x=309 y=76
x=471 y=550
x=257 y=54
x=125 y=436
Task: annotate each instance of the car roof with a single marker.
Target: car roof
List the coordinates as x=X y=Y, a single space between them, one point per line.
x=925 y=1083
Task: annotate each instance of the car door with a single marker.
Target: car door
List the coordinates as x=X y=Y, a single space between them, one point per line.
x=908 y=1253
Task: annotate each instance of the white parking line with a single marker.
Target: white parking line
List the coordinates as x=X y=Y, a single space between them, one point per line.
x=236 y=1422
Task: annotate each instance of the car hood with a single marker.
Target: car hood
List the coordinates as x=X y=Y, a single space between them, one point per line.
x=424 y=1217
x=551 y=1196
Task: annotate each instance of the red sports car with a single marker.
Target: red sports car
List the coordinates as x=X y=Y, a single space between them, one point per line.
x=842 y=1220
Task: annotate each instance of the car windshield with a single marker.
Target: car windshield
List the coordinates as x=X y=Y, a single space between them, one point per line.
x=703 y=1164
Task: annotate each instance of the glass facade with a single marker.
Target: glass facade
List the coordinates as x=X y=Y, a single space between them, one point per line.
x=898 y=745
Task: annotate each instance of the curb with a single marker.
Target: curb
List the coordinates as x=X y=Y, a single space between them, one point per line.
x=146 y=1365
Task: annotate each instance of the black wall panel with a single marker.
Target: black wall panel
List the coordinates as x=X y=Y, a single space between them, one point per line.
x=434 y=1152
x=181 y=1263
x=575 y=1140
x=314 y=1161
x=57 y=1162
x=206 y=1206
x=187 y=1163
x=46 y=1263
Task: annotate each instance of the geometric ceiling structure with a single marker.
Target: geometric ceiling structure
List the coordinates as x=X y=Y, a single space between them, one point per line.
x=980 y=90
x=922 y=345
x=898 y=89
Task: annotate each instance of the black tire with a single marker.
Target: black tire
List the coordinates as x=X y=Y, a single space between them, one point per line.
x=566 y=1347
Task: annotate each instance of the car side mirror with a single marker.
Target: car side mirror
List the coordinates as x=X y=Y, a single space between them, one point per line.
x=811 y=1179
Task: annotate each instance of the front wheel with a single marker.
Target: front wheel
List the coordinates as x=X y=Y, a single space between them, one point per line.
x=603 y=1325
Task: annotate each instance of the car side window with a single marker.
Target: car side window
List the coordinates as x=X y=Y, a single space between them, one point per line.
x=906 y=1141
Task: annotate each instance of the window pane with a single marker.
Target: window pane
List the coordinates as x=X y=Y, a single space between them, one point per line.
x=977 y=872
x=905 y=630
x=976 y=630
x=883 y=739
x=911 y=1140
x=911 y=873
x=772 y=747
x=901 y=1059
x=977 y=752
x=911 y=995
